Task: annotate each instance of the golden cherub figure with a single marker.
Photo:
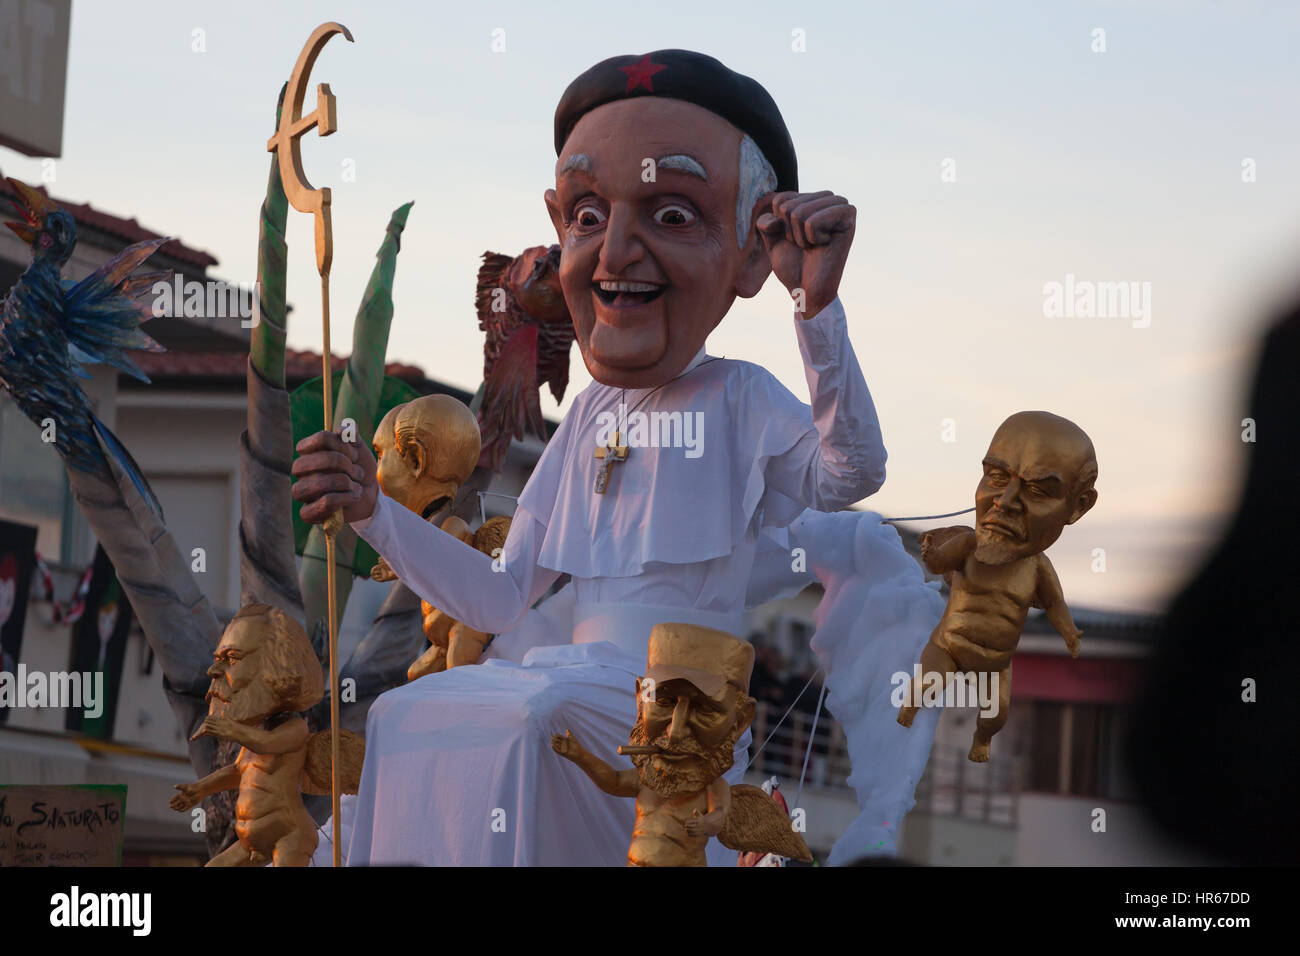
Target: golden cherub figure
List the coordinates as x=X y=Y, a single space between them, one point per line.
x=426 y=449
x=451 y=642
x=1038 y=477
x=693 y=704
x=264 y=672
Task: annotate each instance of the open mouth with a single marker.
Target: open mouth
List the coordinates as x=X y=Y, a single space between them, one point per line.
x=623 y=294
x=434 y=506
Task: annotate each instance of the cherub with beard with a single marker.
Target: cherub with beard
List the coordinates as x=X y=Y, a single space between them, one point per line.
x=1038 y=477
x=264 y=672
x=693 y=705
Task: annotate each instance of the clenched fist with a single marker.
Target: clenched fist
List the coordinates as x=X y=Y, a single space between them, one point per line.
x=807 y=237
x=332 y=475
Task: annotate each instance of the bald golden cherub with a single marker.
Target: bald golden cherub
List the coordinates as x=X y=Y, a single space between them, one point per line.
x=693 y=704
x=426 y=449
x=1039 y=475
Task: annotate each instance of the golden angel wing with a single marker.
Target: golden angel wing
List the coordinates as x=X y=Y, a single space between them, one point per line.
x=316 y=772
x=757 y=824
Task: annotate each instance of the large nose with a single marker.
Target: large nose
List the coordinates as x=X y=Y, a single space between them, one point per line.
x=215 y=670
x=1009 y=500
x=622 y=244
x=677 y=729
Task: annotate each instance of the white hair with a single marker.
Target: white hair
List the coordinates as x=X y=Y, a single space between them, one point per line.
x=756 y=179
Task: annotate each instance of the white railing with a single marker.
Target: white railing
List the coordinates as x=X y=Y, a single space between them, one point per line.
x=951 y=785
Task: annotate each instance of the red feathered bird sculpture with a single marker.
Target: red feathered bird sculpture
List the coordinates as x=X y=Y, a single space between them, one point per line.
x=521 y=308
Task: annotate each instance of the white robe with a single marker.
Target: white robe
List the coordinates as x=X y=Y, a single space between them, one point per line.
x=459 y=769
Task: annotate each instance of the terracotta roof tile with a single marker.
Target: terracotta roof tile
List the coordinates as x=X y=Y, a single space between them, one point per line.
x=299 y=365
x=125 y=229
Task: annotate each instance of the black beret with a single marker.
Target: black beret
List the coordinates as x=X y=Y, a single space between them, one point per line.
x=695 y=78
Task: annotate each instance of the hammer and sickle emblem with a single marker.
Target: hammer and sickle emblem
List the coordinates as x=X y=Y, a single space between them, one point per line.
x=287 y=143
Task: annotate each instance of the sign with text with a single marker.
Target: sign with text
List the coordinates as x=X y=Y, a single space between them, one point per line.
x=75 y=825
x=33 y=74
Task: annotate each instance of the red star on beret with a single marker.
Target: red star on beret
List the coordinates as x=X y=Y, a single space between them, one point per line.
x=640 y=74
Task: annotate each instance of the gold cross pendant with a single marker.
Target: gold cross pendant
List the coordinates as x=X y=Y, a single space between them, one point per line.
x=610 y=455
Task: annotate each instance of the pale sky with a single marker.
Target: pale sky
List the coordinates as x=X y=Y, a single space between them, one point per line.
x=1122 y=165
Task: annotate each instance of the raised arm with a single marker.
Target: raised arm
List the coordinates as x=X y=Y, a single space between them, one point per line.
x=286 y=738
x=841 y=458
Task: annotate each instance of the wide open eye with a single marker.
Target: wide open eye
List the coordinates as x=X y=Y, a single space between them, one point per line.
x=588 y=216
x=674 y=214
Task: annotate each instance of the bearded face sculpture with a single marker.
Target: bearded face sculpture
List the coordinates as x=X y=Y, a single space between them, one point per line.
x=264 y=671
x=693 y=706
x=264 y=665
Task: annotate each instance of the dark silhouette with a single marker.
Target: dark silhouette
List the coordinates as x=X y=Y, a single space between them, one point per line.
x=1220 y=772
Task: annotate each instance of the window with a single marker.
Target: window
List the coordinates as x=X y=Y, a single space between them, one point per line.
x=1069 y=748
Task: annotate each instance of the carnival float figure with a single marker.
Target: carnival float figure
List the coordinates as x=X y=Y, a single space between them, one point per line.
x=693 y=705
x=529 y=335
x=426 y=449
x=648 y=530
x=1039 y=476
x=264 y=673
x=50 y=328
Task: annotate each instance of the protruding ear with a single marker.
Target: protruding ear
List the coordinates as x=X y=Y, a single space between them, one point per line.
x=557 y=217
x=416 y=455
x=746 y=715
x=1083 y=504
x=757 y=267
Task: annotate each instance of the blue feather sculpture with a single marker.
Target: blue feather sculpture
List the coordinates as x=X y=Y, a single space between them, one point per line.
x=51 y=327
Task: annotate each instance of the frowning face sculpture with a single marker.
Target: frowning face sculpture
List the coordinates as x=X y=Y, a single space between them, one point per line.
x=1038 y=477
x=426 y=449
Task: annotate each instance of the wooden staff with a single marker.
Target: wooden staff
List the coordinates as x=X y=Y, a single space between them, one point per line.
x=287 y=145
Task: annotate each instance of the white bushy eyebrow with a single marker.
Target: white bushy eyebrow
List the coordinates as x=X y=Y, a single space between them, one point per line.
x=578 y=161
x=682 y=163
x=756 y=177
